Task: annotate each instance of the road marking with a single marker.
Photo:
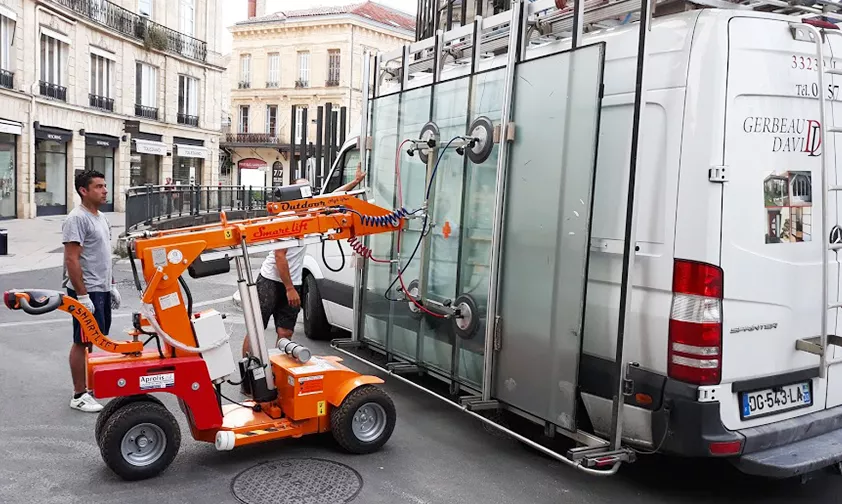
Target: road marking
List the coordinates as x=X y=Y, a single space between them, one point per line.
x=113 y=316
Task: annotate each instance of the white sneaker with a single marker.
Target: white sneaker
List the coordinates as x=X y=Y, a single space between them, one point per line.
x=86 y=403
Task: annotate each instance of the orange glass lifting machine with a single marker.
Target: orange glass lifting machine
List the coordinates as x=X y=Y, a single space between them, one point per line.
x=292 y=393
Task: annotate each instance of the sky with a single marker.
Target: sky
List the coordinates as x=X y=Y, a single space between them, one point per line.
x=237 y=10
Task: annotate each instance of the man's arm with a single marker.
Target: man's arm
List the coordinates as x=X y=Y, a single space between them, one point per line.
x=282 y=265
x=72 y=254
x=360 y=176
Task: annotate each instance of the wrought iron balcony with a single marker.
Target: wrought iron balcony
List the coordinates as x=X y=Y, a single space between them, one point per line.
x=147 y=112
x=300 y=83
x=255 y=139
x=53 y=90
x=189 y=120
x=272 y=84
x=332 y=83
x=101 y=102
x=7 y=79
x=126 y=22
x=244 y=85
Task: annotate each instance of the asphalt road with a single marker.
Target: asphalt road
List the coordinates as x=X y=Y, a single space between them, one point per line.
x=436 y=455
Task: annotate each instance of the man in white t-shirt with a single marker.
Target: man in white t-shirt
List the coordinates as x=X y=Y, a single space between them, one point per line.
x=279 y=288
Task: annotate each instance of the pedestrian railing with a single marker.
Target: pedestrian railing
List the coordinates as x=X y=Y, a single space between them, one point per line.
x=151 y=204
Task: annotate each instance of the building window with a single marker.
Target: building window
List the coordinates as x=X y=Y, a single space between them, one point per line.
x=274 y=71
x=144 y=8
x=102 y=75
x=244 y=118
x=333 y=67
x=245 y=71
x=303 y=69
x=188 y=100
x=299 y=122
x=272 y=120
x=53 y=62
x=146 y=91
x=7 y=31
x=188 y=16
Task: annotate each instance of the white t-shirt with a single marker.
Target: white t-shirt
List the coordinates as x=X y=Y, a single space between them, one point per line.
x=295 y=259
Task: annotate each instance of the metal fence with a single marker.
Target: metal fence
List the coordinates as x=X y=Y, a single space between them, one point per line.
x=146 y=205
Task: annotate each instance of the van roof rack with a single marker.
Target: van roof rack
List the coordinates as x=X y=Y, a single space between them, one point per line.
x=546 y=21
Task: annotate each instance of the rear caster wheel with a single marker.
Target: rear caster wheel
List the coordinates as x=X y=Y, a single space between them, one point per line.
x=364 y=421
x=139 y=440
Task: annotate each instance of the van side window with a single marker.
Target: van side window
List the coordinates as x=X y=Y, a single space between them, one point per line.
x=345 y=171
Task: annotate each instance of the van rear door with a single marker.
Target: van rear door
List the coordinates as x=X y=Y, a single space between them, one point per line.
x=771 y=254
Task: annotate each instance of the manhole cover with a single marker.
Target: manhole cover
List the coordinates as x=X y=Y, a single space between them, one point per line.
x=299 y=481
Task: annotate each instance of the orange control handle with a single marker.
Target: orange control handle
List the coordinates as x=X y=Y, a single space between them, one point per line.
x=39 y=302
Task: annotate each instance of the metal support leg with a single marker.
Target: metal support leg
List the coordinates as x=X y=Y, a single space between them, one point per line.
x=251 y=305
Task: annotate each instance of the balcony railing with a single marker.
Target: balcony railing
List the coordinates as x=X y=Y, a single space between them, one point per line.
x=53 y=90
x=126 y=22
x=244 y=85
x=332 y=83
x=101 y=102
x=7 y=79
x=147 y=112
x=272 y=84
x=189 y=120
x=252 y=138
x=302 y=83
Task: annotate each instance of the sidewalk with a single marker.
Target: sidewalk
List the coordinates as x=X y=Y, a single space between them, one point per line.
x=36 y=243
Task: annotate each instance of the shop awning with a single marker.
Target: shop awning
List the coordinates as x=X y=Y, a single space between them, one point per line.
x=150 y=147
x=54 y=134
x=102 y=140
x=15 y=128
x=251 y=164
x=192 y=151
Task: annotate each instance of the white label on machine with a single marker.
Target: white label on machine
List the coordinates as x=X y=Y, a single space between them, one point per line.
x=175 y=256
x=315 y=365
x=259 y=373
x=169 y=301
x=159 y=257
x=158 y=381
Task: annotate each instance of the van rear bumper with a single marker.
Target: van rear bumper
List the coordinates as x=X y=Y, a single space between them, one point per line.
x=779 y=450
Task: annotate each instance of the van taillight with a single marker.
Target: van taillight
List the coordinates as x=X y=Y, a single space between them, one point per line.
x=695 y=329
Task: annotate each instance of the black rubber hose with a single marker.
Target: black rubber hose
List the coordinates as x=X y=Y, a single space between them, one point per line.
x=341 y=254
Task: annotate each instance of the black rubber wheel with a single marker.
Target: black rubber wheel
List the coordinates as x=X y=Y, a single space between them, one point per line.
x=140 y=440
x=364 y=421
x=115 y=404
x=316 y=326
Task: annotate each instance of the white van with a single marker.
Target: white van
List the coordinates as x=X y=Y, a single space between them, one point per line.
x=729 y=252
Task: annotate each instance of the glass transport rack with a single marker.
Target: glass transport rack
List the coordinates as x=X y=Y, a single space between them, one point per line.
x=492 y=128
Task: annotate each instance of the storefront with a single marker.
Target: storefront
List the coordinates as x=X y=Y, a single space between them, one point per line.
x=99 y=155
x=147 y=154
x=188 y=162
x=252 y=172
x=51 y=170
x=9 y=134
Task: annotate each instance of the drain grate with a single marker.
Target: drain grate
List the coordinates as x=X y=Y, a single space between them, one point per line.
x=299 y=481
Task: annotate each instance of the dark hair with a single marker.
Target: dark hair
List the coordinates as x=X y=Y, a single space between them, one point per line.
x=83 y=179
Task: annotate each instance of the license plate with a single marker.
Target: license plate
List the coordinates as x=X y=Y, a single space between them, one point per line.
x=770 y=401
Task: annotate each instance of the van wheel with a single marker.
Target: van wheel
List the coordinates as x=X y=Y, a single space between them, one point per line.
x=316 y=326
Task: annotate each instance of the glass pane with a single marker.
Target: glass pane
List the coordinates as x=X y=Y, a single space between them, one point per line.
x=50 y=174
x=381 y=174
x=480 y=186
x=7 y=176
x=545 y=246
x=414 y=114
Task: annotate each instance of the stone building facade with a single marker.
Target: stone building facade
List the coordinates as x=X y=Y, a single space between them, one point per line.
x=303 y=58
x=130 y=88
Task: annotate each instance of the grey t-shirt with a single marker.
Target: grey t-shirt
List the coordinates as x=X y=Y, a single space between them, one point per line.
x=93 y=232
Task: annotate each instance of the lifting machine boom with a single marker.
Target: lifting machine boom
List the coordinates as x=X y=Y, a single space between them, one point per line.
x=292 y=393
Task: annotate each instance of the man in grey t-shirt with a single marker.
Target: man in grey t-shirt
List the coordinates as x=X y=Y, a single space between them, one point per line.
x=86 y=235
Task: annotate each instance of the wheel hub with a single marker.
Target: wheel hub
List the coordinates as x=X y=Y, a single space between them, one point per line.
x=143 y=444
x=369 y=422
